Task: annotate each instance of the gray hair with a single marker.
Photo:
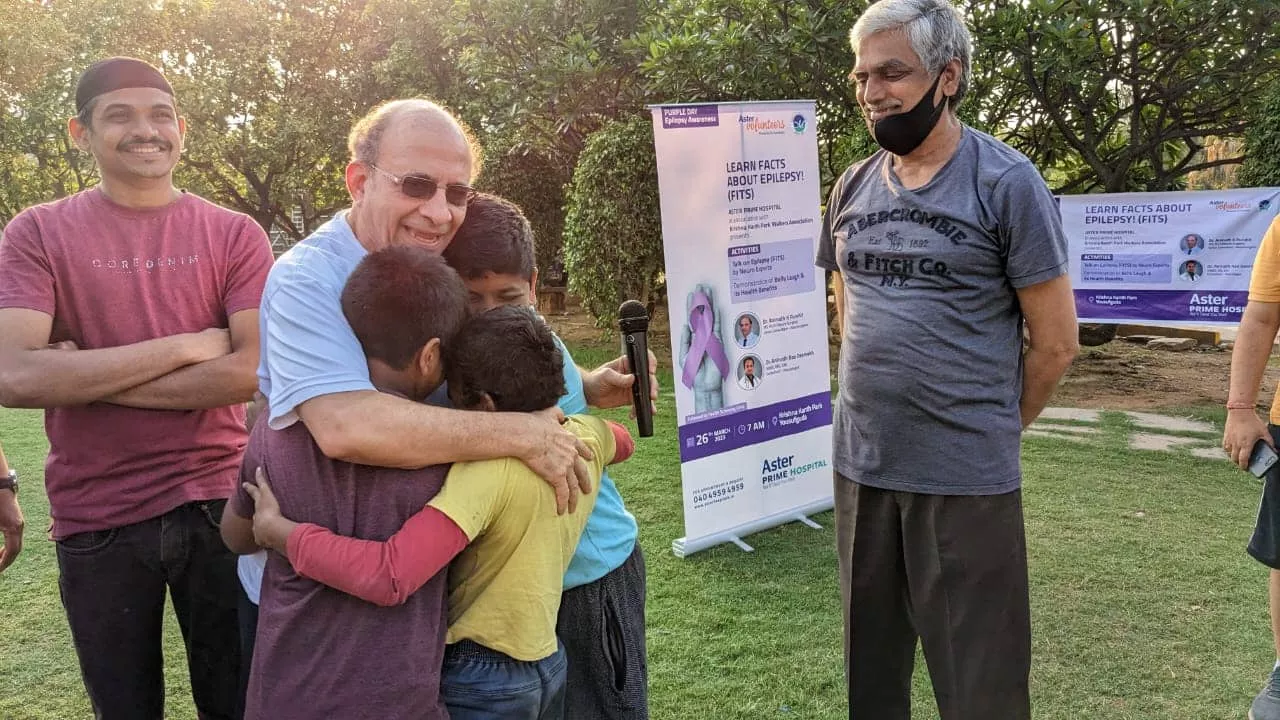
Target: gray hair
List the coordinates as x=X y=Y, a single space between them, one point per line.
x=365 y=140
x=934 y=28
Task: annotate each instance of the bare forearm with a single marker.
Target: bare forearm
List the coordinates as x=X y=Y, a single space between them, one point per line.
x=237 y=532
x=1249 y=359
x=1042 y=369
x=223 y=381
x=373 y=428
x=56 y=378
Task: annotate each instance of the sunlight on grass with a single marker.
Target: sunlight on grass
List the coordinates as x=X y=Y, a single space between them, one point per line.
x=1144 y=602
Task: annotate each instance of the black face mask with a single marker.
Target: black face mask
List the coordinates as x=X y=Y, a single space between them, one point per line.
x=903 y=132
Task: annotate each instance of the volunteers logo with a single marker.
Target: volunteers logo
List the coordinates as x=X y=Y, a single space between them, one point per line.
x=757 y=125
x=1230 y=205
x=798 y=124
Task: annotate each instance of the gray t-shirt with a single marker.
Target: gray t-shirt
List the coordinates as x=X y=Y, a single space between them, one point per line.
x=931 y=361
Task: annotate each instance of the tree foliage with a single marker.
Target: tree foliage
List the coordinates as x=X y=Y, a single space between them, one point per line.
x=1124 y=94
x=43 y=48
x=736 y=50
x=547 y=73
x=535 y=182
x=613 y=230
x=1262 y=144
x=1103 y=95
x=269 y=89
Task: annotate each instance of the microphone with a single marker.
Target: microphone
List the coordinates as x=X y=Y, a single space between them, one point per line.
x=633 y=321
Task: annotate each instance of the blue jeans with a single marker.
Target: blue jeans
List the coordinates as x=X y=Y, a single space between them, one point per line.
x=478 y=683
x=113 y=584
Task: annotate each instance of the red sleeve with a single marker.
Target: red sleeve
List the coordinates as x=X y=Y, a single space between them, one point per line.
x=383 y=573
x=248 y=263
x=623 y=441
x=26 y=277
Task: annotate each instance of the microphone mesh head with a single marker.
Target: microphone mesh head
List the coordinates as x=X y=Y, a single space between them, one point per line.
x=632 y=309
x=632 y=317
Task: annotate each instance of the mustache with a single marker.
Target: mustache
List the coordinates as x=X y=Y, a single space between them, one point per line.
x=157 y=141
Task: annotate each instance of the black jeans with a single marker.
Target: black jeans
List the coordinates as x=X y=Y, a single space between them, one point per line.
x=113 y=588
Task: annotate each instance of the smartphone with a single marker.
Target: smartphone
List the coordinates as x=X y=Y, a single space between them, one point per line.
x=1262 y=458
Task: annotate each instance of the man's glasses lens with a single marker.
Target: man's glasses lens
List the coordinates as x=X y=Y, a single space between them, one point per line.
x=424 y=188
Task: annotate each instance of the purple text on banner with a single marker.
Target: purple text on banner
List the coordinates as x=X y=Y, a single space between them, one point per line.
x=757 y=425
x=774 y=270
x=1219 y=306
x=1127 y=268
x=690 y=116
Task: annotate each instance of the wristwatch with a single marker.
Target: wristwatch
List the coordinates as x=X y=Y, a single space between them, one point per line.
x=10 y=483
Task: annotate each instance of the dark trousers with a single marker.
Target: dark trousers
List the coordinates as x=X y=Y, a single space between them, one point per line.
x=601 y=625
x=1264 y=545
x=950 y=571
x=113 y=585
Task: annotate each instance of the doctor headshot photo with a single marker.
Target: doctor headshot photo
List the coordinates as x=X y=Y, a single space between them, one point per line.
x=1191 y=244
x=746 y=331
x=749 y=371
x=1190 y=271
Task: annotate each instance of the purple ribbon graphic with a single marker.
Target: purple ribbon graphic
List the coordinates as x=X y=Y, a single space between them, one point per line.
x=704 y=341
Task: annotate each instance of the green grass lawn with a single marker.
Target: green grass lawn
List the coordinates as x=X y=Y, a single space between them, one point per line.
x=1144 y=602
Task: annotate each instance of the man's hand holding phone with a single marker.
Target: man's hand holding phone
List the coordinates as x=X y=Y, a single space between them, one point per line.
x=1243 y=431
x=1261 y=458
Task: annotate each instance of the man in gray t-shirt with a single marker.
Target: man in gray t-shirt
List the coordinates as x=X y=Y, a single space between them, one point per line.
x=942 y=245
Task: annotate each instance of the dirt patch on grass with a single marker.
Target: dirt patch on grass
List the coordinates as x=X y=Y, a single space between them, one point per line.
x=1125 y=376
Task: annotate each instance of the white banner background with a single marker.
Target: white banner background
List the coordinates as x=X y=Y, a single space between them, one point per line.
x=1172 y=258
x=739 y=189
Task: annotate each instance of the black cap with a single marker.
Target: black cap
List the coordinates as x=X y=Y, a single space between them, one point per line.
x=117 y=73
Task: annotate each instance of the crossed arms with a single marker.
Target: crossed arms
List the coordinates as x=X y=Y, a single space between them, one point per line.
x=189 y=371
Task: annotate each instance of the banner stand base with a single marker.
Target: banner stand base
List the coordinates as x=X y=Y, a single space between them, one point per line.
x=684 y=547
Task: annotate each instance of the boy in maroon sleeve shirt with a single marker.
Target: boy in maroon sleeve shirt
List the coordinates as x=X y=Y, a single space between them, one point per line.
x=320 y=653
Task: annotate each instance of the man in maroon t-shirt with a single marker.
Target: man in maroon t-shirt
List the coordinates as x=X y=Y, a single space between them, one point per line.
x=321 y=653
x=130 y=313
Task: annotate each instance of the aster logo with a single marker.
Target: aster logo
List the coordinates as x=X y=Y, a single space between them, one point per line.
x=776 y=469
x=785 y=468
x=798 y=124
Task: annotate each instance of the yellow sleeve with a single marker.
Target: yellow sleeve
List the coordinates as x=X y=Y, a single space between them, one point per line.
x=474 y=494
x=1264 y=283
x=598 y=436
